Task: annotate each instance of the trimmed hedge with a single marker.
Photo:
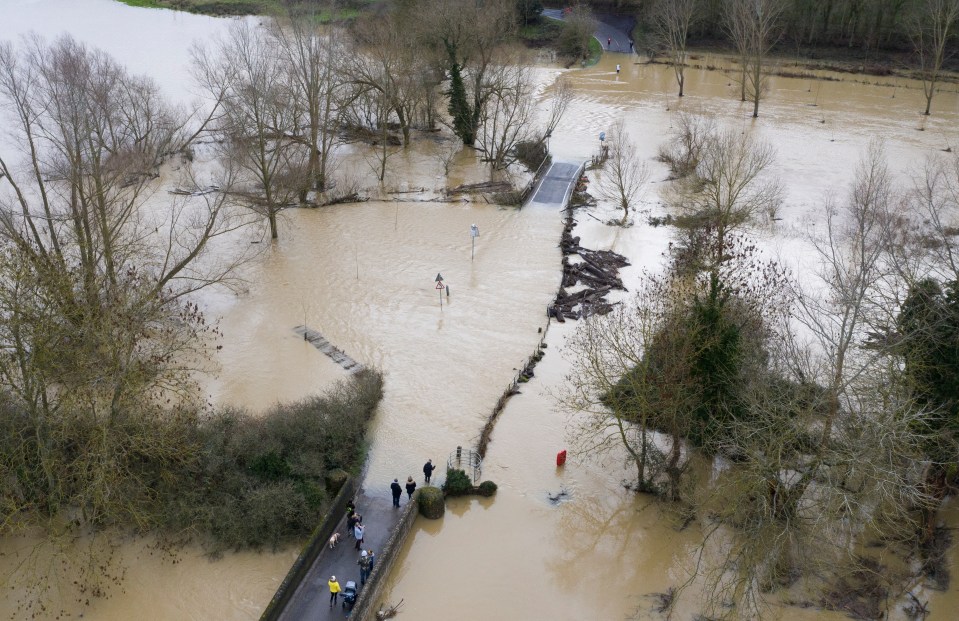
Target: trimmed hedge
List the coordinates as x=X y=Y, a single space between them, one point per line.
x=431 y=502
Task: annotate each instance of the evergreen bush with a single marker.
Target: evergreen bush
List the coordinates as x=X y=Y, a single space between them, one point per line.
x=431 y=502
x=457 y=483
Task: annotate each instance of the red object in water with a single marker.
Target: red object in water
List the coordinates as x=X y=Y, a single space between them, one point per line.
x=561 y=458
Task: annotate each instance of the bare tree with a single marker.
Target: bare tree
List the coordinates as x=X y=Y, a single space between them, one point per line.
x=389 y=61
x=259 y=121
x=851 y=255
x=630 y=376
x=625 y=175
x=729 y=188
x=753 y=26
x=470 y=34
x=100 y=338
x=508 y=114
x=930 y=27
x=313 y=58
x=693 y=134
x=560 y=98
x=671 y=20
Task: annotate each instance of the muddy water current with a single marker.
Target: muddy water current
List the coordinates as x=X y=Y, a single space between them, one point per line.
x=363 y=275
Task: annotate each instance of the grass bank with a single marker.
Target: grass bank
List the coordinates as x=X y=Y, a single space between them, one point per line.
x=347 y=12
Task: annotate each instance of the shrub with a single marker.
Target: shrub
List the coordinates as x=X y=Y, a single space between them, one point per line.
x=431 y=502
x=268 y=480
x=457 y=483
x=532 y=153
x=486 y=488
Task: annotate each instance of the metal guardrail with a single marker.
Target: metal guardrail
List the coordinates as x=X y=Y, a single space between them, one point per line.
x=466 y=459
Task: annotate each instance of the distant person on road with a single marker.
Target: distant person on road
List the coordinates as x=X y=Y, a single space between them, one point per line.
x=428 y=469
x=617 y=69
x=397 y=492
x=358 y=532
x=609 y=42
x=410 y=486
x=630 y=46
x=364 y=564
x=334 y=590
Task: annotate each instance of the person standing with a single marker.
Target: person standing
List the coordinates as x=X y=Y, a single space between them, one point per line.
x=609 y=42
x=334 y=590
x=397 y=492
x=410 y=487
x=364 y=564
x=617 y=69
x=358 y=532
x=372 y=557
x=351 y=521
x=428 y=468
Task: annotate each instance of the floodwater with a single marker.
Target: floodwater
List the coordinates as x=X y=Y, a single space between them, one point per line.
x=363 y=275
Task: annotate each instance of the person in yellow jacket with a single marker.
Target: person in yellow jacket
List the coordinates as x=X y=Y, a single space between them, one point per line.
x=334 y=590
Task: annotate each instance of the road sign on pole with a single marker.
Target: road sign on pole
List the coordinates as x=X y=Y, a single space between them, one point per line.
x=474 y=233
x=440 y=286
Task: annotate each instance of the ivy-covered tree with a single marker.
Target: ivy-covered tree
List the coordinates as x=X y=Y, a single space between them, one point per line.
x=459 y=107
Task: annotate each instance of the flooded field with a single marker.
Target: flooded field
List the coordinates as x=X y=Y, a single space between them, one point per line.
x=363 y=275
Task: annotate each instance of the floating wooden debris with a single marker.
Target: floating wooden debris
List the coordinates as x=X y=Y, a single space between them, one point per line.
x=335 y=354
x=598 y=272
x=195 y=192
x=481 y=188
x=389 y=612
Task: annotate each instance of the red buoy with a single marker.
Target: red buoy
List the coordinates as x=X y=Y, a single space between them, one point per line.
x=561 y=457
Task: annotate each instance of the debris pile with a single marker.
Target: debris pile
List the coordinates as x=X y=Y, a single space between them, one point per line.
x=597 y=272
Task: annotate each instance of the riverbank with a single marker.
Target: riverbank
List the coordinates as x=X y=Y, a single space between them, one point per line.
x=226 y=8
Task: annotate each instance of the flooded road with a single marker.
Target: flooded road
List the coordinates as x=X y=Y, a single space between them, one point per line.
x=363 y=275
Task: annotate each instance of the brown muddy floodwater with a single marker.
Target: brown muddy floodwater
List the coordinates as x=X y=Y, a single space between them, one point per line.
x=363 y=275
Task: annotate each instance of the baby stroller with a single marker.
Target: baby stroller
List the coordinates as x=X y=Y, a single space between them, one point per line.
x=349 y=595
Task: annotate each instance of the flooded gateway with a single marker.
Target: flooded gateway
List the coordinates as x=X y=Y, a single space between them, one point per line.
x=363 y=275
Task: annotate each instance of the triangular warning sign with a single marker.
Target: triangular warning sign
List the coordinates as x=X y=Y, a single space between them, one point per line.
x=439 y=277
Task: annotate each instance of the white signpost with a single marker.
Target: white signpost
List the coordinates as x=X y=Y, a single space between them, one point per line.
x=474 y=233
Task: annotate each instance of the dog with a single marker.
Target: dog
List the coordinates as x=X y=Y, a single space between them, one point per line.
x=335 y=539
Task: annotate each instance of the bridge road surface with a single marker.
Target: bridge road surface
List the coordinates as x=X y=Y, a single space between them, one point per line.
x=311 y=600
x=557 y=184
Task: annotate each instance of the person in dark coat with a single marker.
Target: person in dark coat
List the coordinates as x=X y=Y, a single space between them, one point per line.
x=410 y=486
x=428 y=469
x=351 y=521
x=397 y=492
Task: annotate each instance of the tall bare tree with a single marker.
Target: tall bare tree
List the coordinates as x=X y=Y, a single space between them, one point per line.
x=389 y=61
x=930 y=27
x=671 y=20
x=313 y=56
x=852 y=259
x=259 y=120
x=559 y=100
x=624 y=174
x=470 y=34
x=754 y=27
x=99 y=335
x=507 y=117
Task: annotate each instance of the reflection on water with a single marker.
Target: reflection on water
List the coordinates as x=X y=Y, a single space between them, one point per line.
x=363 y=276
